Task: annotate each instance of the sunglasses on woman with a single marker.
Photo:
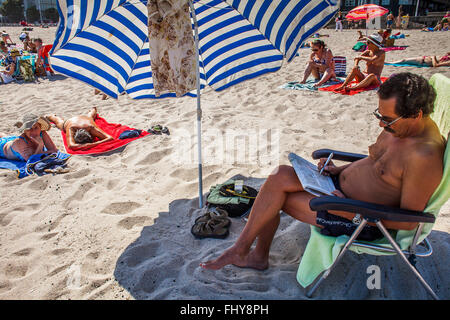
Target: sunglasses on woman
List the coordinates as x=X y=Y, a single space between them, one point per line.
x=383 y=119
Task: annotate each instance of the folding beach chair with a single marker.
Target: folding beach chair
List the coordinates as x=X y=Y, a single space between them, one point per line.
x=322 y=253
x=340 y=66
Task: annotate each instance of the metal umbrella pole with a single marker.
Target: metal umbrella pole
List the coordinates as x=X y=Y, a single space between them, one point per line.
x=199 y=110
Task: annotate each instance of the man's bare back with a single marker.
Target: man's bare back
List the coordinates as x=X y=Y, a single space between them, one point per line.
x=84 y=123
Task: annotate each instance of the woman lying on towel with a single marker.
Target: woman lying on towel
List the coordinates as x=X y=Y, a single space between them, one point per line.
x=430 y=61
x=320 y=64
x=33 y=140
x=81 y=131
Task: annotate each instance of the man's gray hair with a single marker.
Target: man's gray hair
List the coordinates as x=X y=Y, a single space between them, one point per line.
x=82 y=136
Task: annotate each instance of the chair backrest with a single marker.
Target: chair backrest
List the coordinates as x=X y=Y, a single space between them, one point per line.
x=441 y=115
x=340 y=66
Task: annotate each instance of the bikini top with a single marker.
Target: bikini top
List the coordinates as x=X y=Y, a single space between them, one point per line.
x=17 y=154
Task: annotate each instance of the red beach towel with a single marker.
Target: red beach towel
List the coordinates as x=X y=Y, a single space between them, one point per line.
x=394 y=48
x=114 y=130
x=352 y=92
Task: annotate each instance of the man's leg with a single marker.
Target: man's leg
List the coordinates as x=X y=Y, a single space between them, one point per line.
x=282 y=190
x=356 y=73
x=93 y=113
x=58 y=121
x=371 y=79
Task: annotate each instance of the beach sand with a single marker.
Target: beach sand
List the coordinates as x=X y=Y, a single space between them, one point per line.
x=118 y=226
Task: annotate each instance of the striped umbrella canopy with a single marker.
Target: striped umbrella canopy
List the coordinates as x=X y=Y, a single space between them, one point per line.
x=366 y=12
x=105 y=42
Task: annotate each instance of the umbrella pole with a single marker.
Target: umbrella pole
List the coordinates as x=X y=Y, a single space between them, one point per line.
x=199 y=111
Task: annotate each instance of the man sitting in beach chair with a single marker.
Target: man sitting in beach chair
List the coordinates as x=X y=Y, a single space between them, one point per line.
x=403 y=169
x=81 y=131
x=374 y=58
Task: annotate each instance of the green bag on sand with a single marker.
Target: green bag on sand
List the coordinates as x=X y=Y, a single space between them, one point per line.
x=236 y=204
x=26 y=70
x=359 y=46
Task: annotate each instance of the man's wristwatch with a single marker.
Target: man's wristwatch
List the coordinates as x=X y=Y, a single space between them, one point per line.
x=357 y=219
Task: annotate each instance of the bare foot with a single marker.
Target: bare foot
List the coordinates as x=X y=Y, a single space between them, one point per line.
x=231 y=256
x=340 y=88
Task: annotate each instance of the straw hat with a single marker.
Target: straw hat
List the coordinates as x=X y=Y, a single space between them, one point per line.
x=30 y=119
x=376 y=39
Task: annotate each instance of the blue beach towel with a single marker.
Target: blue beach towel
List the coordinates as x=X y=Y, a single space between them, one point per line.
x=405 y=64
x=309 y=85
x=35 y=163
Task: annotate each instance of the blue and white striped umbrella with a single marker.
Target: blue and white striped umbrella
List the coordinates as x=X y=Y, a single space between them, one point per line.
x=105 y=42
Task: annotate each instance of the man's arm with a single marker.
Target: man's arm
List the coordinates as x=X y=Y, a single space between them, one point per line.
x=372 y=59
x=421 y=177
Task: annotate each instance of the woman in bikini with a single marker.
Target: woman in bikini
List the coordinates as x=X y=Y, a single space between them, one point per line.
x=320 y=64
x=33 y=140
x=430 y=61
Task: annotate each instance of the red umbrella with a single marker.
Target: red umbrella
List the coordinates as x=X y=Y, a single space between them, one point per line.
x=367 y=12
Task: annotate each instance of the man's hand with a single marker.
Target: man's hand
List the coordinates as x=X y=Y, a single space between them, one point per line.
x=339 y=194
x=329 y=169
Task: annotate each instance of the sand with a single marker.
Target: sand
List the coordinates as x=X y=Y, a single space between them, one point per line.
x=118 y=226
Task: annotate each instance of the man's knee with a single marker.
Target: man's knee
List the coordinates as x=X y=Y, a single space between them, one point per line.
x=281 y=174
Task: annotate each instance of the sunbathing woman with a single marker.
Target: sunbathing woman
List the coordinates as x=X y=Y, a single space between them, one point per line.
x=431 y=61
x=320 y=64
x=81 y=131
x=33 y=140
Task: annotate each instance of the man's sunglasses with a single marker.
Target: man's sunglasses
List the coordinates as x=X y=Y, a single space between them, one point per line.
x=315 y=50
x=383 y=119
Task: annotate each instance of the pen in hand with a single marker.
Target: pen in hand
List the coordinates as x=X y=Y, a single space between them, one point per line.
x=326 y=162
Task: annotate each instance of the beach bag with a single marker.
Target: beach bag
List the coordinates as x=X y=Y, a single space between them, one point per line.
x=40 y=71
x=340 y=66
x=26 y=70
x=235 y=203
x=359 y=46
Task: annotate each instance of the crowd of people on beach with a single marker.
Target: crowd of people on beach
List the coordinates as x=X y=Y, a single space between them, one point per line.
x=24 y=61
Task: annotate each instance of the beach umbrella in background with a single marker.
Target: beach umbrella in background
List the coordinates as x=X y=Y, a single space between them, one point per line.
x=105 y=43
x=366 y=12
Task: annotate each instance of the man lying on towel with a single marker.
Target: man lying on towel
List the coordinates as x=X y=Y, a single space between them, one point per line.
x=81 y=131
x=403 y=169
x=374 y=58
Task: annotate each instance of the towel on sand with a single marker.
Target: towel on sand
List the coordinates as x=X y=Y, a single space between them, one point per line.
x=405 y=64
x=309 y=85
x=35 y=163
x=394 y=48
x=352 y=92
x=321 y=251
x=113 y=130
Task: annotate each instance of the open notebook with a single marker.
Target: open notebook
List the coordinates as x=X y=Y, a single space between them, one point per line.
x=310 y=178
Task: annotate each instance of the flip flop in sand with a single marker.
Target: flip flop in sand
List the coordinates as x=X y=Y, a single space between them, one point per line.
x=214 y=228
x=214 y=214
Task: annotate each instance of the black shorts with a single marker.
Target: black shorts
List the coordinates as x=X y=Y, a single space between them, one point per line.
x=335 y=226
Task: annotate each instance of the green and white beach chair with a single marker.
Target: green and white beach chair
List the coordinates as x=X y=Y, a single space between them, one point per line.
x=322 y=253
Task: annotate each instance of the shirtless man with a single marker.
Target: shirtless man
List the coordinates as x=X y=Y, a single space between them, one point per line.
x=403 y=169
x=374 y=58
x=81 y=131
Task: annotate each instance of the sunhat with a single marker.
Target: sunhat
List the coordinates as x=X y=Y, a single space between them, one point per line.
x=30 y=119
x=376 y=39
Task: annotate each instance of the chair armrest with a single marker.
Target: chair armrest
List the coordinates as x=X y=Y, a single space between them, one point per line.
x=369 y=210
x=338 y=155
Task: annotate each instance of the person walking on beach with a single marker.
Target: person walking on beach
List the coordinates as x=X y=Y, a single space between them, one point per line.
x=339 y=20
x=374 y=58
x=409 y=145
x=81 y=131
x=389 y=20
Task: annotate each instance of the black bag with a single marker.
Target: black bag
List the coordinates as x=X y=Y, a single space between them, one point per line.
x=237 y=210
